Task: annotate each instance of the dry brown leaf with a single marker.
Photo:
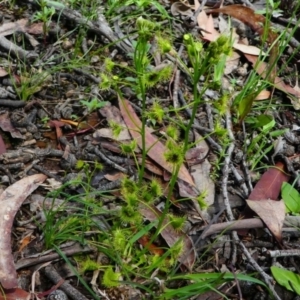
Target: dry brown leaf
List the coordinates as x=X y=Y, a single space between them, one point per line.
x=11 y=200
x=263 y=95
x=206 y=22
x=171 y=236
x=261 y=67
x=3 y=73
x=112 y=114
x=200 y=170
x=268 y=187
x=36 y=28
x=179 y=8
x=24 y=242
x=248 y=49
x=115 y=176
x=257 y=23
x=6 y=125
x=12 y=27
x=155 y=149
x=272 y=213
x=232 y=63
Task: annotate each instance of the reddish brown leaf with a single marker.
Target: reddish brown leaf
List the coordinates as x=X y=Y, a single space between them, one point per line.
x=35 y=28
x=145 y=241
x=171 y=236
x=155 y=149
x=272 y=213
x=57 y=125
x=6 y=125
x=244 y=14
x=269 y=185
x=13 y=294
x=10 y=201
x=24 y=242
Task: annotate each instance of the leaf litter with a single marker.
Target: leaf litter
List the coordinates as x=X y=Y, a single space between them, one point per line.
x=59 y=140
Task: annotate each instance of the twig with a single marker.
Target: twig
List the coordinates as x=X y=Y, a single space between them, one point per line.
x=12 y=103
x=225 y=172
x=110 y=185
x=15 y=50
x=226 y=168
x=265 y=276
x=284 y=252
x=209 y=116
x=232 y=225
x=88 y=75
x=175 y=89
x=53 y=275
x=100 y=28
x=109 y=162
x=42 y=170
x=32 y=261
x=240 y=180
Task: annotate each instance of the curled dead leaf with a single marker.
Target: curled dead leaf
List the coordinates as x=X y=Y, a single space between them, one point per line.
x=272 y=213
x=11 y=200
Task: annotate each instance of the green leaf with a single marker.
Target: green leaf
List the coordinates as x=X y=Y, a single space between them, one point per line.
x=265 y=121
x=288 y=279
x=291 y=198
x=203 y=282
x=277 y=133
x=245 y=105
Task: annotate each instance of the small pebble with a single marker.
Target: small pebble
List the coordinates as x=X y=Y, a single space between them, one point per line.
x=57 y=295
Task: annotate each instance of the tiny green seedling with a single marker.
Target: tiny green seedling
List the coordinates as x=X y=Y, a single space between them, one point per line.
x=94 y=104
x=45 y=15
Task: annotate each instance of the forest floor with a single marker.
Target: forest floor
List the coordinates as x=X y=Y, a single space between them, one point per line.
x=149 y=149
